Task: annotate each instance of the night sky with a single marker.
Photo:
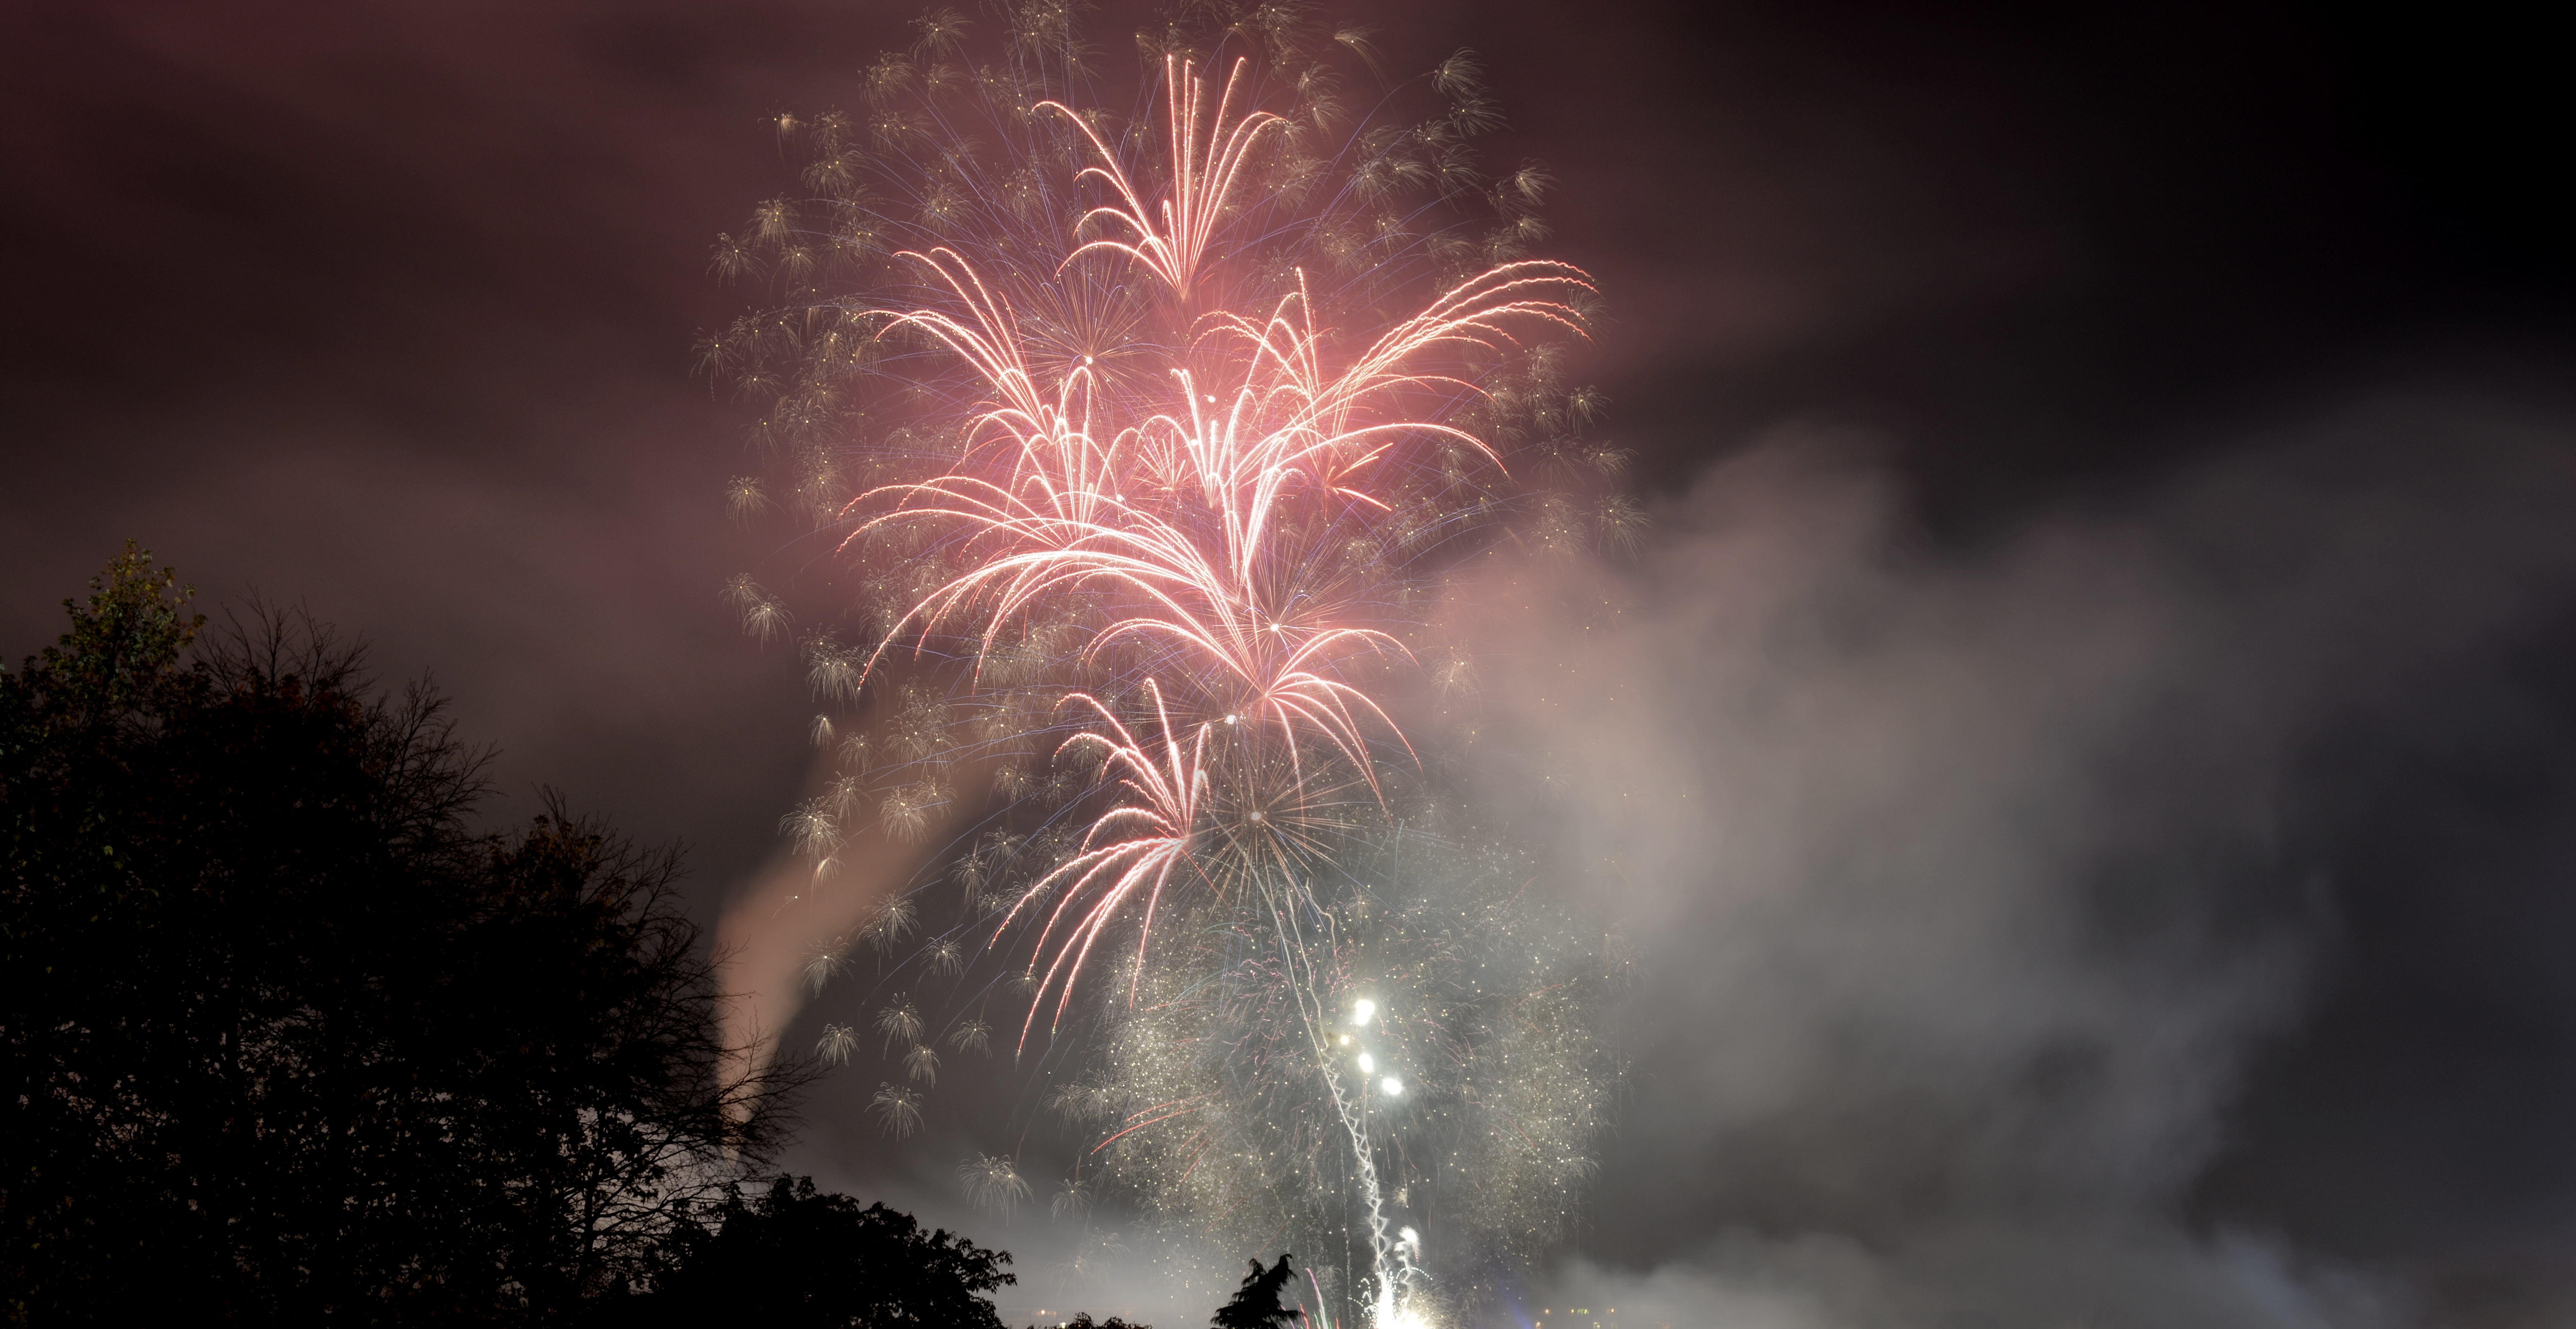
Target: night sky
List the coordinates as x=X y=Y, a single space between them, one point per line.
x=2091 y=750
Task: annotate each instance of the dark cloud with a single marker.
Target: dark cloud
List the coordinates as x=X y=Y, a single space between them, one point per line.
x=2130 y=790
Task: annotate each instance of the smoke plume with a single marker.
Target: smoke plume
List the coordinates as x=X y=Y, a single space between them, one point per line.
x=1968 y=874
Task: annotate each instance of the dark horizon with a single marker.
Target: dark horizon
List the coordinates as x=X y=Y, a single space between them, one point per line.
x=2169 y=412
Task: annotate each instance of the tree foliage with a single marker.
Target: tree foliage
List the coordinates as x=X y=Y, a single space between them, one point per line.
x=1256 y=1303
x=284 y=1038
x=793 y=1257
x=1083 y=1320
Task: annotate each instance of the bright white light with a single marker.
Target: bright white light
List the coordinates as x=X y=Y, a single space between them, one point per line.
x=1411 y=1238
x=1361 y=1010
x=1367 y=1063
x=1394 y=1087
x=1346 y=1040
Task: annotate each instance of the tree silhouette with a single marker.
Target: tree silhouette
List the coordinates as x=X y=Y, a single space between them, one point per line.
x=285 y=1039
x=1256 y=1303
x=1083 y=1320
x=792 y=1258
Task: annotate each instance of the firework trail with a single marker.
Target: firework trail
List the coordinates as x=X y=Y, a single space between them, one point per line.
x=1132 y=446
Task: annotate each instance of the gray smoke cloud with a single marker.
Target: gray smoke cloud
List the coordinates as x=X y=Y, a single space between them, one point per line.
x=1968 y=875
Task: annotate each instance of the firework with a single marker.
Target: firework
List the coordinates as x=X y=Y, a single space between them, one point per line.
x=1436 y=1036
x=1139 y=440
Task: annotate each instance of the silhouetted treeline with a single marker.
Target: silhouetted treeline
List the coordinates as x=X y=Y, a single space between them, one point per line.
x=794 y=1257
x=286 y=1040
